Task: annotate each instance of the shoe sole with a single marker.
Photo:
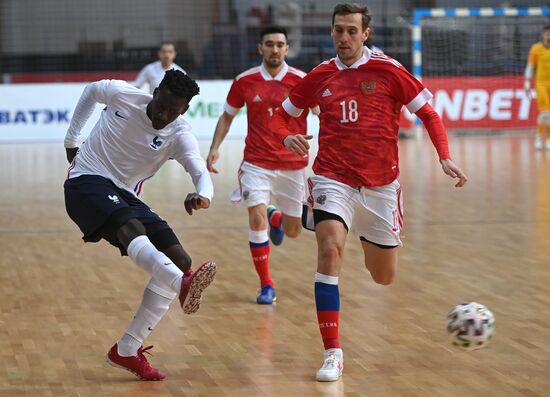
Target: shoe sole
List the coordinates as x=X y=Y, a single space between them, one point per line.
x=327 y=379
x=273 y=236
x=201 y=279
x=113 y=364
x=267 y=303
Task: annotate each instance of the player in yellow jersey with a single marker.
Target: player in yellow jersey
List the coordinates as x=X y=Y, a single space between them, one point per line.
x=539 y=62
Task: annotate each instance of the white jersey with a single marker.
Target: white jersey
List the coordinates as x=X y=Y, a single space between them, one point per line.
x=124 y=147
x=152 y=74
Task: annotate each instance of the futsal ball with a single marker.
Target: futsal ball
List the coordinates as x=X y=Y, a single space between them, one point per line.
x=470 y=325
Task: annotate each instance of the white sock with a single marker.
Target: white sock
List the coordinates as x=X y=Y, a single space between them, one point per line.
x=128 y=346
x=258 y=236
x=154 y=262
x=154 y=305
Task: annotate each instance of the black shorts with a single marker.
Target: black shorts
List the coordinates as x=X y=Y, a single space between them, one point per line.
x=100 y=208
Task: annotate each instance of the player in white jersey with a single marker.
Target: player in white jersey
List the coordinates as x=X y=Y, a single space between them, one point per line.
x=135 y=135
x=153 y=73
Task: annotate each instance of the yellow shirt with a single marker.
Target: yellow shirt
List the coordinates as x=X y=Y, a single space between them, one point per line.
x=539 y=57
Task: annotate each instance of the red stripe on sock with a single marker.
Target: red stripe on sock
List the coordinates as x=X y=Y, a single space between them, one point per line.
x=328 y=325
x=260 y=257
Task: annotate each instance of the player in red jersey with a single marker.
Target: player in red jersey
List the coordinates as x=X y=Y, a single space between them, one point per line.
x=360 y=94
x=268 y=168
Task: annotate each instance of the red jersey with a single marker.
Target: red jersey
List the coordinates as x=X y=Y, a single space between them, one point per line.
x=359 y=121
x=263 y=95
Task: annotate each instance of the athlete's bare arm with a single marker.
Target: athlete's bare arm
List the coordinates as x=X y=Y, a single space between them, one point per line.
x=451 y=169
x=222 y=128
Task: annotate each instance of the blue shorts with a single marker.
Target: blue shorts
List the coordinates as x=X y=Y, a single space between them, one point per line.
x=100 y=208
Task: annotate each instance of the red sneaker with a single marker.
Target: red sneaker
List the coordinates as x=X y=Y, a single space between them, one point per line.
x=193 y=284
x=137 y=364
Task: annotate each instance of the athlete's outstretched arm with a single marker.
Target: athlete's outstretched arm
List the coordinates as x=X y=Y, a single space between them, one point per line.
x=222 y=128
x=437 y=133
x=188 y=155
x=97 y=92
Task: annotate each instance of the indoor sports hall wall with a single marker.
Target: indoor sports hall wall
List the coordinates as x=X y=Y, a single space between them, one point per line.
x=42 y=112
x=474 y=70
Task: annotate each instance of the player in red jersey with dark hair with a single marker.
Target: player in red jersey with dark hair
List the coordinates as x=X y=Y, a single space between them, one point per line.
x=360 y=94
x=268 y=168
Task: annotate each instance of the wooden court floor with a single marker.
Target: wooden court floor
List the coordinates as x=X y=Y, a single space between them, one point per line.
x=64 y=303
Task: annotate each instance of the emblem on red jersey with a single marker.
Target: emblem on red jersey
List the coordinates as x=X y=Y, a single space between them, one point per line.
x=368 y=87
x=321 y=199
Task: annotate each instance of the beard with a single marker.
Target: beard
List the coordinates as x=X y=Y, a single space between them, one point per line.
x=274 y=63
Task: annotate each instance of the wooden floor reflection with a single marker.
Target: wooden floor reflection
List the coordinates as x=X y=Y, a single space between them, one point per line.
x=64 y=303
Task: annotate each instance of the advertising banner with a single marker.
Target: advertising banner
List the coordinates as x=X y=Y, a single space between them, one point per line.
x=481 y=102
x=42 y=112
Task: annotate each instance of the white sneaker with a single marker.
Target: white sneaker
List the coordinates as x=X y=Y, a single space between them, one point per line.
x=333 y=365
x=539 y=142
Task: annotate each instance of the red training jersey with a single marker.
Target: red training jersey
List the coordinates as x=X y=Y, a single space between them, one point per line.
x=359 y=120
x=263 y=94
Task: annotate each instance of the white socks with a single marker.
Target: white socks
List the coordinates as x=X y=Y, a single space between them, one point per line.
x=154 y=262
x=154 y=305
x=258 y=236
x=164 y=286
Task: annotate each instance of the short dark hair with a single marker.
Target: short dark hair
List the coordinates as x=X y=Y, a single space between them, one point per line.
x=273 y=29
x=352 y=8
x=179 y=84
x=547 y=27
x=167 y=42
